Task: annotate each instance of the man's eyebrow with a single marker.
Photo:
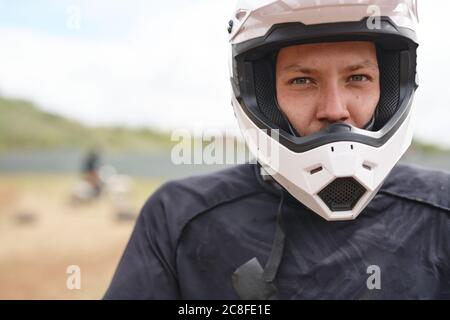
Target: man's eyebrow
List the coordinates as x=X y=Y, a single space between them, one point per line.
x=297 y=67
x=361 y=65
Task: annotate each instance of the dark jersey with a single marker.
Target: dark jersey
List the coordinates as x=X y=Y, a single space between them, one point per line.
x=193 y=234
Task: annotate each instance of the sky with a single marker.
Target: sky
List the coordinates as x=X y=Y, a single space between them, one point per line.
x=164 y=64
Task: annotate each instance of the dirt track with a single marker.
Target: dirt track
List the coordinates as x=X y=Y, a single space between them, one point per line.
x=42 y=233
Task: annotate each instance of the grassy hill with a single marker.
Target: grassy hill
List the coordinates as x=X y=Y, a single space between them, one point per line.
x=23 y=127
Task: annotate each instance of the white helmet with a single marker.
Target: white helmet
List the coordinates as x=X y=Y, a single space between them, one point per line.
x=337 y=171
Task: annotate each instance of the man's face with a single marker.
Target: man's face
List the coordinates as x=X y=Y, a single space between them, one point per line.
x=318 y=84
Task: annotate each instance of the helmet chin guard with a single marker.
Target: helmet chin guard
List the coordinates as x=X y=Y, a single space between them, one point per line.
x=337 y=171
x=335 y=180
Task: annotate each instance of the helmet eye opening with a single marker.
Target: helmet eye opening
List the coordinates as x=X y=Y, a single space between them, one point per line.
x=256 y=82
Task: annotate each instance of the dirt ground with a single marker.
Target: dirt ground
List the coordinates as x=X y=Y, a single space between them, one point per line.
x=42 y=233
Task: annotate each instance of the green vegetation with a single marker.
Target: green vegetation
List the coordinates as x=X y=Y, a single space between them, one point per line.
x=427 y=148
x=24 y=127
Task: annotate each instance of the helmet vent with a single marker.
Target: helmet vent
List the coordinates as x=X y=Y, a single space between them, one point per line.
x=342 y=194
x=316 y=170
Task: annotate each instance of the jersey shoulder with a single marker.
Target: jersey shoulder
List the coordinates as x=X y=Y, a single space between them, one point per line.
x=419 y=184
x=177 y=202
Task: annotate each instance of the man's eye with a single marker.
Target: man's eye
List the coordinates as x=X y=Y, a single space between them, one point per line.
x=359 y=77
x=301 y=81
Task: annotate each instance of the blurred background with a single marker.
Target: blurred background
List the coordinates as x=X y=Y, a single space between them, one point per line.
x=90 y=94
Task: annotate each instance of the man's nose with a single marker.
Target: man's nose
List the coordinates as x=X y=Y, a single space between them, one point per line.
x=332 y=105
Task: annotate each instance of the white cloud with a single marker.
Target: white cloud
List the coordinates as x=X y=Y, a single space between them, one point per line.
x=432 y=101
x=171 y=71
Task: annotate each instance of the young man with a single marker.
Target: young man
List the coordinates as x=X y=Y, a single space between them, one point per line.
x=328 y=88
